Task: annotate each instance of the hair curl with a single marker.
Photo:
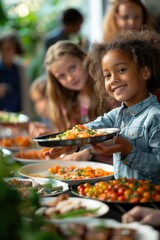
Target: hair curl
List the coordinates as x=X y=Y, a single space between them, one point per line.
x=12 y=37
x=142 y=47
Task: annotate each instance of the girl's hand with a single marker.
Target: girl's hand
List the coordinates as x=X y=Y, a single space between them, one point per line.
x=145 y=215
x=37 y=129
x=83 y=155
x=118 y=144
x=59 y=151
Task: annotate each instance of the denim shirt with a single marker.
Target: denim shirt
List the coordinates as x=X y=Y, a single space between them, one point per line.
x=140 y=124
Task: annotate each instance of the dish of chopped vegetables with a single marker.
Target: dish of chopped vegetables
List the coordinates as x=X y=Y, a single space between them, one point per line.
x=79 y=134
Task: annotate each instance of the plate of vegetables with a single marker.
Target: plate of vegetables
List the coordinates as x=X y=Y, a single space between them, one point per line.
x=124 y=192
x=72 y=172
x=78 y=135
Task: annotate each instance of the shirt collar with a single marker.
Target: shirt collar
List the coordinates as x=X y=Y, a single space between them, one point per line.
x=137 y=108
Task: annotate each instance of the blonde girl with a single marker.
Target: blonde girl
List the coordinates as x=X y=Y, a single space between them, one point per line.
x=125 y=15
x=70 y=88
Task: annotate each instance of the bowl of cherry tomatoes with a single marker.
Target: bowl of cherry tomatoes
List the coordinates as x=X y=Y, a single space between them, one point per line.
x=126 y=192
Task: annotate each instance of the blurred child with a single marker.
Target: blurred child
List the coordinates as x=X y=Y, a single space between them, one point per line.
x=125 y=15
x=38 y=96
x=14 y=85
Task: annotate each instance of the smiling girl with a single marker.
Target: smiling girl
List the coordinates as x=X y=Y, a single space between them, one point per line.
x=127 y=69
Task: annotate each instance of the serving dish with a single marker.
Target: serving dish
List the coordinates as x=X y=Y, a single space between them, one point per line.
x=123 y=193
x=27 y=156
x=98 y=208
x=44 y=187
x=47 y=141
x=143 y=232
x=41 y=170
x=121 y=206
x=11 y=118
x=16 y=143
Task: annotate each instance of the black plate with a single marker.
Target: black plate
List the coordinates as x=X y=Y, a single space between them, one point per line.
x=122 y=206
x=46 y=142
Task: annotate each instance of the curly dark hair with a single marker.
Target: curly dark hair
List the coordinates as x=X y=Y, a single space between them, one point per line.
x=12 y=37
x=142 y=47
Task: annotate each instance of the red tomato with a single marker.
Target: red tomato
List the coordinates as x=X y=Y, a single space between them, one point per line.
x=113 y=196
x=102 y=197
x=121 y=198
x=157 y=198
x=121 y=190
x=134 y=200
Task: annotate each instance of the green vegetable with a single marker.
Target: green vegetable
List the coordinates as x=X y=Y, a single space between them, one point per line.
x=75 y=213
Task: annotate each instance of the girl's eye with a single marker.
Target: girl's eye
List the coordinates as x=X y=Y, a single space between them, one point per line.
x=107 y=76
x=72 y=68
x=61 y=77
x=121 y=70
x=124 y=17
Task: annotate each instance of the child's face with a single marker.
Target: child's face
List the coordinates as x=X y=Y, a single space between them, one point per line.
x=129 y=17
x=40 y=103
x=124 y=81
x=69 y=71
x=7 y=51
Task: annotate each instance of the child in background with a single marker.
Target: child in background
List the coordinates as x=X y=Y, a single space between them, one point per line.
x=125 y=15
x=127 y=69
x=14 y=84
x=38 y=95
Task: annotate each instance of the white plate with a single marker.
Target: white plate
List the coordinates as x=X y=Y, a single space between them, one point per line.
x=15 y=149
x=6 y=152
x=55 y=183
x=88 y=203
x=12 y=118
x=41 y=170
x=27 y=160
x=144 y=232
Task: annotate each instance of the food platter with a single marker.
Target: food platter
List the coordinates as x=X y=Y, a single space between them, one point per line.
x=11 y=118
x=46 y=140
x=122 y=206
x=122 y=193
x=143 y=232
x=87 y=203
x=17 y=143
x=27 y=156
x=43 y=182
x=41 y=170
